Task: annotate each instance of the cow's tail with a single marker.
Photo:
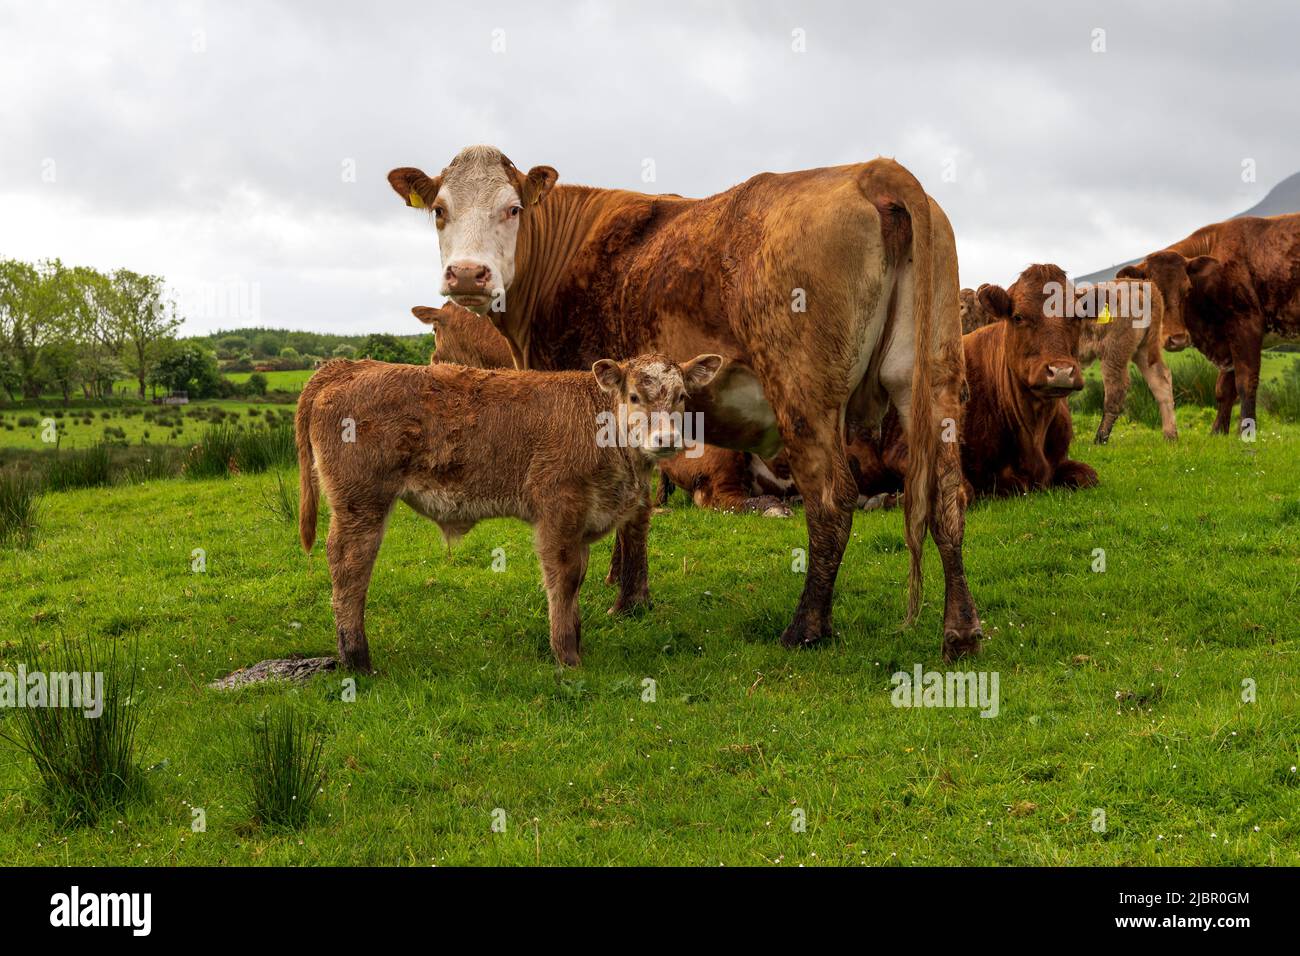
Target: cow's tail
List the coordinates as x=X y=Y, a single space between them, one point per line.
x=308 y=494
x=921 y=479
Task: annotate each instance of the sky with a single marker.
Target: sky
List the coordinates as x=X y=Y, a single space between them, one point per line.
x=240 y=150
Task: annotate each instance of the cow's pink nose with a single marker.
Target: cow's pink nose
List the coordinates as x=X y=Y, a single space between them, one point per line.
x=466 y=277
x=1176 y=343
x=1060 y=376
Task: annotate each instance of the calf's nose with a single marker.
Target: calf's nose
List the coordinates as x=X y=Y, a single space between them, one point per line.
x=466 y=277
x=1176 y=343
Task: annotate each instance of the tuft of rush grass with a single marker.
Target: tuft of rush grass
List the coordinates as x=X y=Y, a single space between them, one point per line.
x=19 y=503
x=1162 y=691
x=282 y=500
x=1282 y=397
x=284 y=769
x=87 y=468
x=227 y=449
x=85 y=763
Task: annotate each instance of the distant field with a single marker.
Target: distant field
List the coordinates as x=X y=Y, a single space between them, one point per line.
x=75 y=429
x=291 y=381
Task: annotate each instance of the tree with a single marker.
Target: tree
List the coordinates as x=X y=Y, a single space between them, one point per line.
x=257 y=383
x=389 y=348
x=187 y=367
x=146 y=319
x=33 y=301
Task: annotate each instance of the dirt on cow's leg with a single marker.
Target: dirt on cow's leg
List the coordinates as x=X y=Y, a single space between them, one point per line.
x=821 y=472
x=1115 y=381
x=564 y=565
x=962 y=633
x=1246 y=364
x=634 y=573
x=1225 y=394
x=354 y=539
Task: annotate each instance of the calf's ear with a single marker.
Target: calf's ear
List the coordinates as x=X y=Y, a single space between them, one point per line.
x=537 y=184
x=426 y=314
x=996 y=301
x=700 y=370
x=609 y=375
x=415 y=188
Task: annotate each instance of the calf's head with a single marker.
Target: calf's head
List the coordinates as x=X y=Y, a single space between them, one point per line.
x=1174 y=275
x=478 y=204
x=1042 y=333
x=650 y=394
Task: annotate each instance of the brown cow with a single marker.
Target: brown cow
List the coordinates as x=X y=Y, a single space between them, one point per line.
x=1015 y=435
x=728 y=480
x=832 y=293
x=973 y=315
x=1123 y=322
x=460 y=445
x=463 y=338
x=1224 y=286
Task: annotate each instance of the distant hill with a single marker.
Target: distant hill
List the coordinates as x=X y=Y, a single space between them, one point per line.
x=1281 y=199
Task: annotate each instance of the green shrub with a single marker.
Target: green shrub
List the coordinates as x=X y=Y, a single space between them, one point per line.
x=87 y=468
x=1282 y=398
x=19 y=501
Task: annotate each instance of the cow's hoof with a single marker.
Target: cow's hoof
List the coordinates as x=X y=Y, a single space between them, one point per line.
x=357 y=663
x=630 y=605
x=568 y=659
x=803 y=633
x=1101 y=439
x=1171 y=436
x=963 y=642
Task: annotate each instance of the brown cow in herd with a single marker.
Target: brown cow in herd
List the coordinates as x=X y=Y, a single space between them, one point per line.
x=831 y=293
x=463 y=338
x=973 y=315
x=1224 y=286
x=1016 y=432
x=460 y=445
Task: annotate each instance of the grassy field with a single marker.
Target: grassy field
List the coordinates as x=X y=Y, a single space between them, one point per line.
x=1119 y=691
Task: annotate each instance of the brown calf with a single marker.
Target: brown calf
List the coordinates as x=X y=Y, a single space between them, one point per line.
x=464 y=338
x=460 y=445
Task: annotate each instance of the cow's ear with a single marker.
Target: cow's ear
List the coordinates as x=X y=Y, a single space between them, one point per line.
x=700 y=370
x=415 y=188
x=996 y=301
x=1138 y=271
x=537 y=184
x=426 y=314
x=609 y=375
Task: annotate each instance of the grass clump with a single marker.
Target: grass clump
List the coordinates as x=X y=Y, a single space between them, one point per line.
x=285 y=773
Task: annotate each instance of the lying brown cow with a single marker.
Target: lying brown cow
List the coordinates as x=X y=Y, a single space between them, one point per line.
x=1016 y=432
x=1122 y=322
x=1224 y=286
x=460 y=445
x=463 y=338
x=858 y=253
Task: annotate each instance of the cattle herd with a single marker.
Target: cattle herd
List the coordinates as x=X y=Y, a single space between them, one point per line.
x=811 y=322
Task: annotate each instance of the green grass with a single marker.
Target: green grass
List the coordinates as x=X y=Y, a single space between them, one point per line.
x=84 y=427
x=1120 y=691
x=288 y=381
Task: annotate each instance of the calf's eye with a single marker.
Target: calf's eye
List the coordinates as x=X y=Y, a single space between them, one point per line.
x=633 y=399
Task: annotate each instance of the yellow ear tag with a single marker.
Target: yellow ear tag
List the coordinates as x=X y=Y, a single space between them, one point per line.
x=1105 y=314
x=415 y=200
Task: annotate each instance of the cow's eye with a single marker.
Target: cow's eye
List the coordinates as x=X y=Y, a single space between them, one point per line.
x=633 y=399
x=1018 y=319
x=515 y=211
x=439 y=213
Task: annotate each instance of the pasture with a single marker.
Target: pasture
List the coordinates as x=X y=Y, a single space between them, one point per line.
x=1120 y=690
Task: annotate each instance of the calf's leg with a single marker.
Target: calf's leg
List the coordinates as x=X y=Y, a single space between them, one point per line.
x=633 y=582
x=1225 y=394
x=1161 y=383
x=564 y=565
x=354 y=538
x=1114 y=376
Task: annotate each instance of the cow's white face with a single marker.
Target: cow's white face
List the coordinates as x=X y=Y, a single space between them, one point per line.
x=478 y=204
x=650 y=399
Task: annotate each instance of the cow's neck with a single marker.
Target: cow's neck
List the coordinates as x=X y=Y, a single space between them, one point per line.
x=549 y=239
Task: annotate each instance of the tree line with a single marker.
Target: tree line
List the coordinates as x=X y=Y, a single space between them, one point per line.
x=64 y=328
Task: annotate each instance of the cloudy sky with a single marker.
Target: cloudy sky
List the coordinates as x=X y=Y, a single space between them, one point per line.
x=241 y=149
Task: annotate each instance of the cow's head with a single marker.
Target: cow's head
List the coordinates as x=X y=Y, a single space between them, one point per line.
x=1042 y=334
x=478 y=203
x=1176 y=277
x=650 y=394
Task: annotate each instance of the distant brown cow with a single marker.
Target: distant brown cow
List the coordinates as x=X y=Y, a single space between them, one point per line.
x=460 y=445
x=1224 y=286
x=464 y=338
x=1016 y=431
x=973 y=315
x=831 y=292
x=728 y=480
x=1123 y=322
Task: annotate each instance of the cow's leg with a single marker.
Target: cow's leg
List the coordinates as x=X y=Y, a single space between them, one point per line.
x=1161 y=383
x=1065 y=472
x=633 y=583
x=354 y=538
x=1114 y=376
x=615 y=559
x=1225 y=394
x=1246 y=359
x=820 y=469
x=563 y=558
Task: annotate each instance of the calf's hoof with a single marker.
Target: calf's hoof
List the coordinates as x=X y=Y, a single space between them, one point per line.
x=568 y=658
x=1101 y=439
x=961 y=642
x=627 y=605
x=357 y=661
